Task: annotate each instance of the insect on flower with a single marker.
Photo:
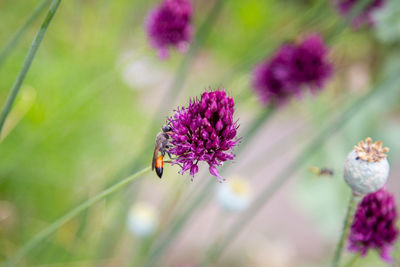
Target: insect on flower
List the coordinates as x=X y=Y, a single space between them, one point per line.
x=161 y=146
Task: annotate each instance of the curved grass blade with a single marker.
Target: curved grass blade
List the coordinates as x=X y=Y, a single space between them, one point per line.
x=39 y=237
x=27 y=62
x=17 y=36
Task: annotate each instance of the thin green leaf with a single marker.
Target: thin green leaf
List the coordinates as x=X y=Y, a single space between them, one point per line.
x=27 y=63
x=17 y=36
x=41 y=236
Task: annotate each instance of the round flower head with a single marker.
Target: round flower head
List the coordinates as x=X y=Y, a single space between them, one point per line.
x=142 y=219
x=366 y=168
x=310 y=65
x=204 y=131
x=374 y=225
x=272 y=79
x=234 y=195
x=293 y=68
x=169 y=25
x=365 y=16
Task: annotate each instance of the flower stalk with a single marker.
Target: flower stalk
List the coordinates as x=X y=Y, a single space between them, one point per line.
x=345 y=231
x=42 y=235
x=27 y=62
x=353 y=260
x=17 y=36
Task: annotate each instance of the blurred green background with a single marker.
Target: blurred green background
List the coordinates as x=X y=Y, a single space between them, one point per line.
x=84 y=111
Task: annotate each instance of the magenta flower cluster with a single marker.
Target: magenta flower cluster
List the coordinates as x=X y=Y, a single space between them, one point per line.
x=293 y=68
x=168 y=25
x=204 y=131
x=365 y=16
x=374 y=225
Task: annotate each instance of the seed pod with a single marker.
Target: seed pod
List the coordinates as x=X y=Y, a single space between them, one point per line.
x=366 y=168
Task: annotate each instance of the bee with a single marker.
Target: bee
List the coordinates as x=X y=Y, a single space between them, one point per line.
x=321 y=171
x=161 y=146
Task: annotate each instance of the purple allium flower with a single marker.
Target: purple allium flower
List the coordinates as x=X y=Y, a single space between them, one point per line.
x=310 y=63
x=272 y=79
x=169 y=25
x=204 y=131
x=293 y=67
x=365 y=16
x=374 y=225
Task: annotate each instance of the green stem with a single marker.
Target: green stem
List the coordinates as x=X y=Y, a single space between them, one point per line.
x=17 y=36
x=354 y=12
x=39 y=237
x=167 y=100
x=269 y=190
x=353 y=260
x=202 y=196
x=264 y=115
x=345 y=231
x=27 y=62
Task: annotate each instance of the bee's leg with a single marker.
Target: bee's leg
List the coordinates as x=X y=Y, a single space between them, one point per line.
x=169 y=161
x=169 y=155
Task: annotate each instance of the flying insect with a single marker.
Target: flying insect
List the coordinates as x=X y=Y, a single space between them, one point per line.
x=321 y=171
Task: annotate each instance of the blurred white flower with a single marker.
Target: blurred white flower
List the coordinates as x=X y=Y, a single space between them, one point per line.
x=388 y=22
x=234 y=194
x=142 y=219
x=141 y=72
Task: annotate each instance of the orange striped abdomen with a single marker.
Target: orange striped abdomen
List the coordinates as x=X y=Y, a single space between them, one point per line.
x=159 y=165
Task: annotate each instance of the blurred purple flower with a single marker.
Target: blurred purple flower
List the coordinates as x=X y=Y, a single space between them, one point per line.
x=293 y=67
x=272 y=79
x=310 y=64
x=168 y=25
x=204 y=131
x=374 y=225
x=365 y=16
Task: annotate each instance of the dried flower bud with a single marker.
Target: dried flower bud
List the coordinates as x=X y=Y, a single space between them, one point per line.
x=366 y=168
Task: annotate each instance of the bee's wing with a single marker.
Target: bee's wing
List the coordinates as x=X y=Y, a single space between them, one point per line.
x=315 y=170
x=155 y=153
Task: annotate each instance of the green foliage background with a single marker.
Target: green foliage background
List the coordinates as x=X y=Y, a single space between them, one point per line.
x=77 y=125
